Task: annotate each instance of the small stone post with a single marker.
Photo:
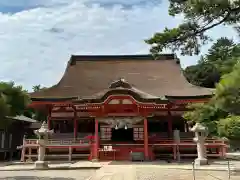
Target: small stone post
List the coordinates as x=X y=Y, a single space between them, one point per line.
x=200 y=137
x=43 y=135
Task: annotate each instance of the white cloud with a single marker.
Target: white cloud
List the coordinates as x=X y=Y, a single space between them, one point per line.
x=36 y=44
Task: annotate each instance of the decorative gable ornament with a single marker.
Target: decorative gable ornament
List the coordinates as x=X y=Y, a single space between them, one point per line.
x=121 y=83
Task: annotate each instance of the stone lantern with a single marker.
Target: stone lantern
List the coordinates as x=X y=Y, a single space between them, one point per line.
x=201 y=133
x=43 y=135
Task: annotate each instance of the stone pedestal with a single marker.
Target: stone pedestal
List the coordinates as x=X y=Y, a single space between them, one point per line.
x=95 y=160
x=41 y=165
x=201 y=161
x=201 y=151
x=147 y=159
x=41 y=150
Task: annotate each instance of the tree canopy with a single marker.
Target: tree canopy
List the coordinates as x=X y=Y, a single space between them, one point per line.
x=37 y=114
x=203 y=74
x=227 y=95
x=219 y=60
x=13 y=101
x=220 y=66
x=206 y=114
x=198 y=18
x=221 y=113
x=37 y=88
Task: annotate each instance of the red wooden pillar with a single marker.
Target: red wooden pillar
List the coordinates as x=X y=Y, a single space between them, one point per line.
x=75 y=124
x=49 y=117
x=146 y=152
x=75 y=127
x=95 y=151
x=170 y=128
x=170 y=132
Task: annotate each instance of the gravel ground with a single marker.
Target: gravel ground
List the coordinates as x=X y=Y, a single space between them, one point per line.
x=46 y=175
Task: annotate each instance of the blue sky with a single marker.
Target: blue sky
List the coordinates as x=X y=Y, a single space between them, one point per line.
x=37 y=37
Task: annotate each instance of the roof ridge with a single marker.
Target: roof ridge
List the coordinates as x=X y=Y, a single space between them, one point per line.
x=129 y=57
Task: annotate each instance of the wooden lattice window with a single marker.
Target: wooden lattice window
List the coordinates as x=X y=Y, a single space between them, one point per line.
x=138 y=133
x=106 y=133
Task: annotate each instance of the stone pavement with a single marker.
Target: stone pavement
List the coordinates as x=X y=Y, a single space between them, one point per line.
x=160 y=170
x=115 y=172
x=47 y=175
x=52 y=166
x=151 y=173
x=126 y=171
x=233 y=155
x=214 y=165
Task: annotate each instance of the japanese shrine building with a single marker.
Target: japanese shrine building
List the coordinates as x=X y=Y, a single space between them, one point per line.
x=120 y=104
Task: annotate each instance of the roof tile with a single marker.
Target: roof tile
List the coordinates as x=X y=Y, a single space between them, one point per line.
x=89 y=75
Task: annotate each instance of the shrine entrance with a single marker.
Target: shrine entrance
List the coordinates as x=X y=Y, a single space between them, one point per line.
x=122 y=135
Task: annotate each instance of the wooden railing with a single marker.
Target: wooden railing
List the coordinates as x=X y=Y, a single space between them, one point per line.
x=57 y=142
x=68 y=142
x=30 y=141
x=77 y=141
x=186 y=140
x=71 y=143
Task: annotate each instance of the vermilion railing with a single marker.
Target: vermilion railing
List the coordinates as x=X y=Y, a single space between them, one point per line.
x=187 y=140
x=52 y=142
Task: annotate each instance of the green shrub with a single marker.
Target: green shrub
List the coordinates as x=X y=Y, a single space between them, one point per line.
x=229 y=127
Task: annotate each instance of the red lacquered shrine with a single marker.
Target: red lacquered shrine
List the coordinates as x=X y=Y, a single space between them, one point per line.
x=110 y=107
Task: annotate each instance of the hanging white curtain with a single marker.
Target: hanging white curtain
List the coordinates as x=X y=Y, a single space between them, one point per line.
x=121 y=122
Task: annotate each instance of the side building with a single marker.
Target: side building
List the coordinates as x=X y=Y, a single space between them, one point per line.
x=12 y=136
x=118 y=105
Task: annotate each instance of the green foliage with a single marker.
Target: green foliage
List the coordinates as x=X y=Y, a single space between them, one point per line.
x=227 y=95
x=15 y=98
x=222 y=50
x=40 y=116
x=202 y=74
x=188 y=37
x=229 y=127
x=226 y=100
x=36 y=114
x=205 y=113
x=199 y=17
x=37 y=88
x=219 y=60
x=227 y=66
x=4 y=107
x=4 y=110
x=223 y=55
x=13 y=101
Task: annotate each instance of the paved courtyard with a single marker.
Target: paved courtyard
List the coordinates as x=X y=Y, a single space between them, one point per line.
x=172 y=174
x=47 y=175
x=118 y=172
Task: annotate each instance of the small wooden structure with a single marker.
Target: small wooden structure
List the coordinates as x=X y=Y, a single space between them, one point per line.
x=131 y=103
x=11 y=137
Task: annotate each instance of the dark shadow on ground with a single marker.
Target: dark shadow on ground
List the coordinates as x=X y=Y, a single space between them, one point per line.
x=137 y=162
x=156 y=162
x=35 y=178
